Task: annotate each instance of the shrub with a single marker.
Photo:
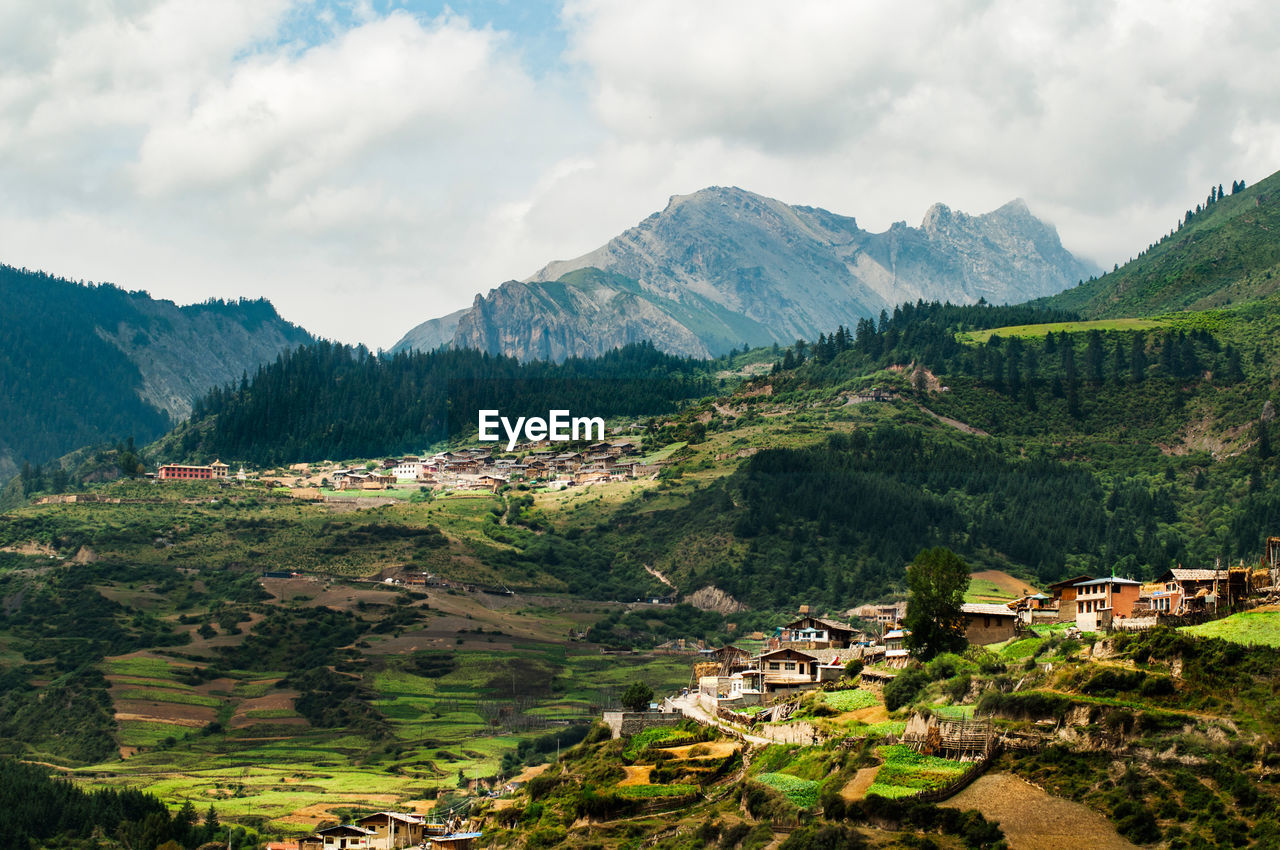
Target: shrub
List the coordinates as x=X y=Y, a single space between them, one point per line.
x=905 y=687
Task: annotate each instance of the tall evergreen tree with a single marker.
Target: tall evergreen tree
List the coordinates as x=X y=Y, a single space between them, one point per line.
x=936 y=583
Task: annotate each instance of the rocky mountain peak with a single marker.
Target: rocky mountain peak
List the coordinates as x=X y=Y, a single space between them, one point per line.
x=722 y=266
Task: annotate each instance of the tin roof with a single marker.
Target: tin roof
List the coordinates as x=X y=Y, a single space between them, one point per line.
x=1108 y=580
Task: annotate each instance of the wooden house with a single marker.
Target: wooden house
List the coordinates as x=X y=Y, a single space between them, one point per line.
x=895 y=647
x=393 y=830
x=818 y=633
x=1190 y=590
x=347 y=836
x=780 y=671
x=1064 y=596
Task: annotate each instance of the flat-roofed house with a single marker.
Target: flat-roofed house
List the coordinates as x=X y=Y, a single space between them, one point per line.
x=1100 y=600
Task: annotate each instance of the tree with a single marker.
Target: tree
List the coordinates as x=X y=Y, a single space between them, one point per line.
x=637 y=696
x=936 y=582
x=211 y=825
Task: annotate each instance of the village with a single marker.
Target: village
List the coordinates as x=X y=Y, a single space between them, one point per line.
x=810 y=650
x=462 y=469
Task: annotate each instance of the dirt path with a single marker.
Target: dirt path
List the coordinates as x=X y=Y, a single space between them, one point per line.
x=956 y=423
x=1034 y=820
x=659 y=576
x=858 y=785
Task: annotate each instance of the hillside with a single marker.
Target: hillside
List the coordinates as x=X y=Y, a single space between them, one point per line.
x=1227 y=253
x=83 y=364
x=723 y=266
x=332 y=401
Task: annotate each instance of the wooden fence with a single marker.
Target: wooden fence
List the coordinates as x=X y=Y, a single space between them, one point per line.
x=949 y=790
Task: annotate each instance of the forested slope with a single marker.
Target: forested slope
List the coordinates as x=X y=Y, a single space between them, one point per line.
x=333 y=401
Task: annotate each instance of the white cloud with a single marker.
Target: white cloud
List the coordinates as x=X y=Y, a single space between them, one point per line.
x=1089 y=109
x=368 y=169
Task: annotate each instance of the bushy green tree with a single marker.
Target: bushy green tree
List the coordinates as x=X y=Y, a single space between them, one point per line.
x=637 y=696
x=936 y=581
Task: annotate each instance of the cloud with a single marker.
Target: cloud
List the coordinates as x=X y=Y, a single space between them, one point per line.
x=1086 y=109
x=367 y=169
x=356 y=168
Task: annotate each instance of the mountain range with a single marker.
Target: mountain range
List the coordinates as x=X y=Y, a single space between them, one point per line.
x=723 y=266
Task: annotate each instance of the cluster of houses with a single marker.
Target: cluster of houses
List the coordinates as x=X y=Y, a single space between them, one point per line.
x=388 y=831
x=811 y=650
x=479 y=469
x=1097 y=604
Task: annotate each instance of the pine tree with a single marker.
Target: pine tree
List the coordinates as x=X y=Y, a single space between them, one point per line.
x=1138 y=358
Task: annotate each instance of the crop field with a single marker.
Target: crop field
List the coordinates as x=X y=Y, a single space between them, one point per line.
x=802 y=792
x=906 y=772
x=851 y=700
x=272 y=764
x=1251 y=628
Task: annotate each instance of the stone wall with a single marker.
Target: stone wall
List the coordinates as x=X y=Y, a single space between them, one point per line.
x=628 y=723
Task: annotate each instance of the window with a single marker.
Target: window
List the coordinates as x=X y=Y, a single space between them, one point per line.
x=773 y=665
x=789 y=666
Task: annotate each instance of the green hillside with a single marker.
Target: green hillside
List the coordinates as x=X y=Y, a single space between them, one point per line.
x=84 y=364
x=1227 y=253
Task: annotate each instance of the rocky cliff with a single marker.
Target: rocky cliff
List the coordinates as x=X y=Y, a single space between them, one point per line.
x=724 y=266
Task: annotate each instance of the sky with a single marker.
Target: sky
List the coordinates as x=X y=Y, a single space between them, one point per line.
x=370 y=165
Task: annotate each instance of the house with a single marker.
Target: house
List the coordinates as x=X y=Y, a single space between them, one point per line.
x=181 y=472
x=986 y=623
x=818 y=632
x=895 y=647
x=1100 y=600
x=393 y=830
x=782 y=671
x=346 y=835
x=888 y=615
x=1198 y=590
x=1064 y=596
x=408 y=469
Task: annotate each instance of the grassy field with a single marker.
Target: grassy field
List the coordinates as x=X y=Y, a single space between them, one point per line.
x=1037 y=331
x=1249 y=628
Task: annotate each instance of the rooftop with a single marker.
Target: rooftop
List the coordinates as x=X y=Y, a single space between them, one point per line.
x=987 y=609
x=1107 y=580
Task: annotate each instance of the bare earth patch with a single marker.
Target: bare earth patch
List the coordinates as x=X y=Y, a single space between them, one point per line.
x=636 y=774
x=178 y=714
x=857 y=787
x=317 y=813
x=1035 y=820
x=143 y=712
x=1009 y=584
x=714 y=749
